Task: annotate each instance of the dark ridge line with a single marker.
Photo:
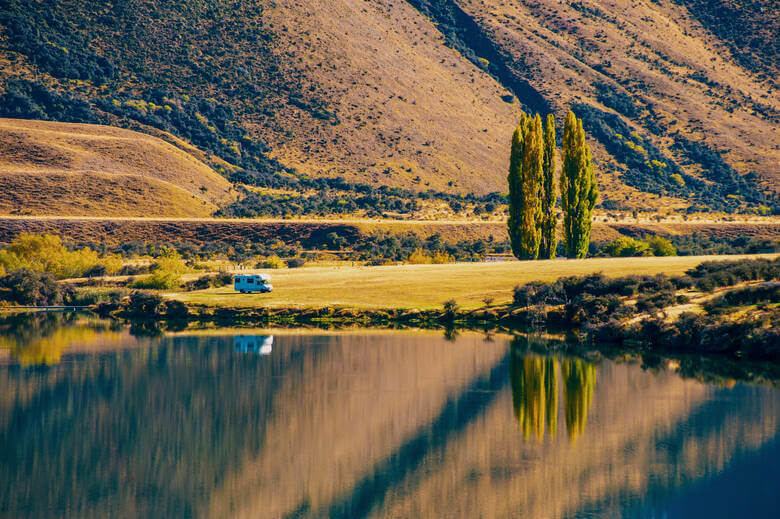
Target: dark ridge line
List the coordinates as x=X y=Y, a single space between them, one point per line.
x=457 y=413
x=465 y=34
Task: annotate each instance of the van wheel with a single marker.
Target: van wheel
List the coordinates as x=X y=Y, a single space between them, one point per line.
x=242 y=291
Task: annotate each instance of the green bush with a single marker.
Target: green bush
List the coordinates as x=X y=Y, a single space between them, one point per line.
x=271 y=262
x=143 y=305
x=31 y=287
x=166 y=273
x=661 y=246
x=626 y=246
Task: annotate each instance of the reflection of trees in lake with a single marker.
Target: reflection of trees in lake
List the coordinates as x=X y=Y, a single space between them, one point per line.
x=42 y=338
x=535 y=393
x=579 y=379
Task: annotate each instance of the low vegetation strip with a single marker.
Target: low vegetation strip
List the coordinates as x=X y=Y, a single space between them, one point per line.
x=113 y=231
x=427 y=286
x=721 y=307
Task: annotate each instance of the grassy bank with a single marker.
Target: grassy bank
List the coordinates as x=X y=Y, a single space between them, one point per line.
x=428 y=286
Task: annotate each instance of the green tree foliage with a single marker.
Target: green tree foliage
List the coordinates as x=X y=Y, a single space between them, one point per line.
x=515 y=180
x=533 y=162
x=578 y=188
x=549 y=240
x=166 y=272
x=525 y=188
x=47 y=253
x=661 y=246
x=626 y=246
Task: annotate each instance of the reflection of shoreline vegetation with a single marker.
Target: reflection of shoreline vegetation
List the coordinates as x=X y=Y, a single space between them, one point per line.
x=42 y=338
x=535 y=392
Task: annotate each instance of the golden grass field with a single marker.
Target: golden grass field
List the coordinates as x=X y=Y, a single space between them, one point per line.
x=49 y=168
x=427 y=286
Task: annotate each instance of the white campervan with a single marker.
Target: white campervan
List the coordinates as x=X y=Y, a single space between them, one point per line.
x=252 y=283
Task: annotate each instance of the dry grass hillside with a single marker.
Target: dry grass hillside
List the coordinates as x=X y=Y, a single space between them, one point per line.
x=408 y=110
x=657 y=67
x=49 y=168
x=417 y=93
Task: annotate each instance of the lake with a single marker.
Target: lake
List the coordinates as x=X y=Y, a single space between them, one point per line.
x=100 y=420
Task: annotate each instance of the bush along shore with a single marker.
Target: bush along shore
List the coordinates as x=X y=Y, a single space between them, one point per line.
x=728 y=308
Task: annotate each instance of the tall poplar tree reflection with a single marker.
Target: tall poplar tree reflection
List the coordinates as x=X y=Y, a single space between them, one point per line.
x=579 y=379
x=535 y=393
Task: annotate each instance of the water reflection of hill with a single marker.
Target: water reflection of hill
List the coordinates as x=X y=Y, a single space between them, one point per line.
x=360 y=426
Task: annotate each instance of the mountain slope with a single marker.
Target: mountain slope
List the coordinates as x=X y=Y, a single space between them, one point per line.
x=643 y=67
x=49 y=168
x=419 y=94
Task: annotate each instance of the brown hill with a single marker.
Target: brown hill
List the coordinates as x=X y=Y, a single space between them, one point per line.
x=416 y=93
x=658 y=67
x=49 y=168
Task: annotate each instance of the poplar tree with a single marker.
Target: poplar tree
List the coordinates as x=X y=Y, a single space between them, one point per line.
x=578 y=188
x=533 y=161
x=515 y=179
x=549 y=223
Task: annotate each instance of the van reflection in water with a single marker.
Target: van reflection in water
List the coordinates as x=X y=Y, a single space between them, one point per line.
x=259 y=344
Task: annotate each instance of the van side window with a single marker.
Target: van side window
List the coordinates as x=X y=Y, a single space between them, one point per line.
x=250 y=280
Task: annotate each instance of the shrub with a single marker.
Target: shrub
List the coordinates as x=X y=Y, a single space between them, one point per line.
x=143 y=305
x=166 y=273
x=421 y=257
x=158 y=280
x=768 y=293
x=209 y=281
x=96 y=271
x=712 y=274
x=31 y=287
x=134 y=270
x=176 y=310
x=450 y=309
x=661 y=246
x=111 y=263
x=658 y=301
x=627 y=246
x=294 y=263
x=271 y=262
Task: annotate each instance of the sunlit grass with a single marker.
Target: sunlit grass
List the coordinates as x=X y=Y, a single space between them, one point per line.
x=426 y=286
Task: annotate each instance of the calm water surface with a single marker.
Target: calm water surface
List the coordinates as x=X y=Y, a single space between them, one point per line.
x=96 y=422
